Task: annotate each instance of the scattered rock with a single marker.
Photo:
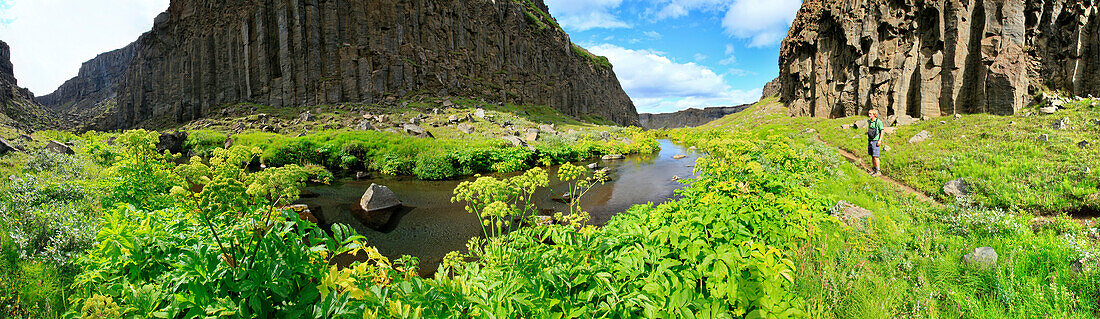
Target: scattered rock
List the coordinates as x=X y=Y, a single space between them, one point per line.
x=531 y=135
x=448 y=103
x=889 y=130
x=675 y=178
x=364 y=125
x=1060 y=124
x=886 y=148
x=593 y=166
x=516 y=141
x=956 y=188
x=982 y=257
x=846 y=126
x=361 y=176
x=414 y=121
x=413 y=129
x=861 y=124
x=1044 y=138
x=1048 y=110
x=306 y=117
x=852 y=215
x=920 y=137
x=466 y=128
x=943 y=122
x=57 y=147
x=1083 y=144
x=903 y=120
x=172 y=142
x=547 y=128
x=610 y=157
x=479 y=113
x=228 y=143
x=6 y=147
x=958 y=116
x=679 y=156
x=378 y=197
x=807 y=131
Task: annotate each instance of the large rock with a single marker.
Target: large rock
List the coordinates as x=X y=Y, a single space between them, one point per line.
x=364 y=125
x=852 y=215
x=466 y=128
x=172 y=142
x=59 y=148
x=982 y=258
x=516 y=141
x=531 y=135
x=920 y=137
x=1059 y=124
x=956 y=188
x=6 y=147
x=202 y=54
x=772 y=88
x=691 y=117
x=378 y=197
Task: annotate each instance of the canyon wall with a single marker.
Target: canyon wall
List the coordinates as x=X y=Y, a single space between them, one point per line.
x=18 y=107
x=95 y=86
x=936 y=57
x=203 y=54
x=687 y=118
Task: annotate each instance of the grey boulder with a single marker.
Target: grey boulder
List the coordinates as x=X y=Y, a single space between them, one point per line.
x=378 y=197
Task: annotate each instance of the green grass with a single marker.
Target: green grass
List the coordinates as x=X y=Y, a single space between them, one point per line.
x=599 y=62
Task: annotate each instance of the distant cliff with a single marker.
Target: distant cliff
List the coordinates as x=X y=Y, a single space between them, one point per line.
x=687 y=118
x=203 y=54
x=936 y=57
x=18 y=107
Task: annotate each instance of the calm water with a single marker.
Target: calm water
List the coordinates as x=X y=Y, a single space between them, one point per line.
x=430 y=225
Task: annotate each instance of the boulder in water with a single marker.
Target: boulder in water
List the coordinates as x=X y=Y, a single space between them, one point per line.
x=679 y=156
x=610 y=157
x=378 y=197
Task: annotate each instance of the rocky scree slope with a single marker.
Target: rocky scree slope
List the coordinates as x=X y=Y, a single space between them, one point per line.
x=18 y=107
x=202 y=54
x=687 y=118
x=937 y=57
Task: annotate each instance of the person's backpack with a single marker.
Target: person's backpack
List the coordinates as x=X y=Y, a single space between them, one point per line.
x=872 y=131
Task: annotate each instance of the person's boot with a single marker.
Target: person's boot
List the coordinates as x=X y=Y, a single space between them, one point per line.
x=875 y=172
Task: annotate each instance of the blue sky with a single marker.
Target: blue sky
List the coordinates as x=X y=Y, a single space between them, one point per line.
x=668 y=54
x=674 y=54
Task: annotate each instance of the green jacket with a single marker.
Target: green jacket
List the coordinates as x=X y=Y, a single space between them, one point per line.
x=875 y=123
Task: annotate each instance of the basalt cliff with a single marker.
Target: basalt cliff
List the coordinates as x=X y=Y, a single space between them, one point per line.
x=18 y=107
x=937 y=57
x=687 y=118
x=205 y=54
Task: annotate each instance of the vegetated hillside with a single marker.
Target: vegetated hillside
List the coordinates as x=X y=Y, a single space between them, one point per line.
x=202 y=55
x=686 y=118
x=935 y=57
x=18 y=107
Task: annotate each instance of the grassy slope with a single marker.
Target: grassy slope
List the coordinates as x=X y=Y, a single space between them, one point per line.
x=1000 y=157
x=907 y=262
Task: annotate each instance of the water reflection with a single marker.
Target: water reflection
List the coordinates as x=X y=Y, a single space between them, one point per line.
x=430 y=225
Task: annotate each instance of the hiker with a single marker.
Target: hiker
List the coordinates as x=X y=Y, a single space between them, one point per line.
x=874 y=139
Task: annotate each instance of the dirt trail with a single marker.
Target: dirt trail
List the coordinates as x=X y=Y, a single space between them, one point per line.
x=858 y=161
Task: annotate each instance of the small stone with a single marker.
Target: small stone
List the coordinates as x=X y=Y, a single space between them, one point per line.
x=466 y=128
x=846 y=126
x=675 y=178
x=611 y=157
x=413 y=129
x=364 y=125
x=378 y=197
x=448 y=103
x=306 y=117
x=851 y=215
x=57 y=147
x=1060 y=124
x=958 y=116
x=479 y=113
x=1048 y=110
x=956 y=188
x=943 y=122
x=1044 y=138
x=593 y=166
x=679 y=156
x=361 y=175
x=516 y=141
x=1083 y=144
x=982 y=257
x=920 y=137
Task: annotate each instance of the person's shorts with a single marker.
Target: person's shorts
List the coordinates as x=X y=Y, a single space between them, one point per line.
x=873 y=149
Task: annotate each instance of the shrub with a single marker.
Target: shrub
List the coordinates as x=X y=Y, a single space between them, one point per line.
x=434 y=166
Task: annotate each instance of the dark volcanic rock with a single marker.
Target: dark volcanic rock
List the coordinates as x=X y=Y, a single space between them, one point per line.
x=18 y=104
x=687 y=118
x=204 y=54
x=172 y=142
x=771 y=89
x=936 y=57
x=59 y=148
x=96 y=83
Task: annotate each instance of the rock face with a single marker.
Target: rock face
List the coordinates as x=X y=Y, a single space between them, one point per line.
x=18 y=107
x=687 y=118
x=378 y=197
x=772 y=88
x=203 y=54
x=95 y=86
x=936 y=57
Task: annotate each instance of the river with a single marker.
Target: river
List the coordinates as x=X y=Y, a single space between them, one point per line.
x=430 y=225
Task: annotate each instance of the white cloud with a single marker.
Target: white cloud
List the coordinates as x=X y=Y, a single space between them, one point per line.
x=659 y=84
x=763 y=22
x=582 y=15
x=50 y=39
x=671 y=9
x=730 y=57
x=653 y=35
x=699 y=57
